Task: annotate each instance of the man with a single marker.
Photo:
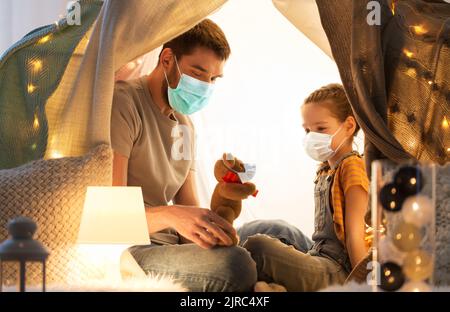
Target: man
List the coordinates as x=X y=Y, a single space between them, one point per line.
x=148 y=116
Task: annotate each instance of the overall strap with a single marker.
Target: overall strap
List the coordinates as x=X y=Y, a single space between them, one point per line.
x=345 y=156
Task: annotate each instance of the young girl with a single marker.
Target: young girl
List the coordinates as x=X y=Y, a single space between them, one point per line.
x=341 y=198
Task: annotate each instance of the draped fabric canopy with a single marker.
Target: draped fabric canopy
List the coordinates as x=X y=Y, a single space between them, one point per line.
x=396 y=74
x=56 y=85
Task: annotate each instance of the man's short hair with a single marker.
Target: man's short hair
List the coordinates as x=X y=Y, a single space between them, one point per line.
x=206 y=34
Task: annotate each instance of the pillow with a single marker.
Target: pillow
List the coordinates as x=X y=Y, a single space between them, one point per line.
x=51 y=192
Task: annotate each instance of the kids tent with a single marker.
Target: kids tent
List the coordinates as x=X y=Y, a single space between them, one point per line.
x=56 y=84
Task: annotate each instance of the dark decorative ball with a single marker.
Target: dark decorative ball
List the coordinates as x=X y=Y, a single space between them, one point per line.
x=390 y=197
x=392 y=277
x=409 y=180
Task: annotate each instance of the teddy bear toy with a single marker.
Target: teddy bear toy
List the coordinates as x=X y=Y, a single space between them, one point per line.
x=233 y=186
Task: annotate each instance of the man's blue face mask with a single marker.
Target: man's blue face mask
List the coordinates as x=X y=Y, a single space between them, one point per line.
x=191 y=94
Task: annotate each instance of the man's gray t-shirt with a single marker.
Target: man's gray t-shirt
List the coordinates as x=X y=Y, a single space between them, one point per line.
x=160 y=150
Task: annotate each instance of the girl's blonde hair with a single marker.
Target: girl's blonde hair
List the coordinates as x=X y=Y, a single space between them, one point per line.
x=338 y=103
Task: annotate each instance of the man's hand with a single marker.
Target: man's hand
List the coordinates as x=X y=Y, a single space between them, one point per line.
x=201 y=226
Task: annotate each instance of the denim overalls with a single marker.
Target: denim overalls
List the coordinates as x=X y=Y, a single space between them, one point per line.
x=326 y=243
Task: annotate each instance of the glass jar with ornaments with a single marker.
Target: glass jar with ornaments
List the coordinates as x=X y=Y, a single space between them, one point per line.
x=403 y=219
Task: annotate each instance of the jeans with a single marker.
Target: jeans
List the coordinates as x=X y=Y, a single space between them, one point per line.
x=281 y=254
x=234 y=268
x=285 y=232
x=220 y=269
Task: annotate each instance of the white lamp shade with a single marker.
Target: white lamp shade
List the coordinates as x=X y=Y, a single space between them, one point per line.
x=114 y=215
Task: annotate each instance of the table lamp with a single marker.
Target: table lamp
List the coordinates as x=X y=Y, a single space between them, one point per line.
x=113 y=219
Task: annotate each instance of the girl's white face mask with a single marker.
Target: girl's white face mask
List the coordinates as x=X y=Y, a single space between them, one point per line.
x=318 y=145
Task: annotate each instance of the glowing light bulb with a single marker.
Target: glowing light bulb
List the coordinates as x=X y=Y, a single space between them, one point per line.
x=56 y=154
x=36 y=122
x=419 y=29
x=408 y=53
x=445 y=123
x=406 y=236
x=417 y=210
x=44 y=39
x=31 y=88
x=418 y=265
x=36 y=65
x=411 y=72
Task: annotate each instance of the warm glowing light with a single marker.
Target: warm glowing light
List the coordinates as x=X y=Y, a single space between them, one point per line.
x=419 y=29
x=418 y=260
x=408 y=53
x=44 y=39
x=103 y=261
x=417 y=210
x=445 y=124
x=106 y=229
x=36 y=65
x=430 y=82
x=36 y=122
x=31 y=88
x=34 y=146
x=131 y=65
x=103 y=215
x=393 y=6
x=56 y=154
x=411 y=72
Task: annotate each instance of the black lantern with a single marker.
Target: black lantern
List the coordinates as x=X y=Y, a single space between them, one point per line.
x=22 y=248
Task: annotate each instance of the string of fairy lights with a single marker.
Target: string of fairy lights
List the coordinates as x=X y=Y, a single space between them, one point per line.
x=416 y=69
